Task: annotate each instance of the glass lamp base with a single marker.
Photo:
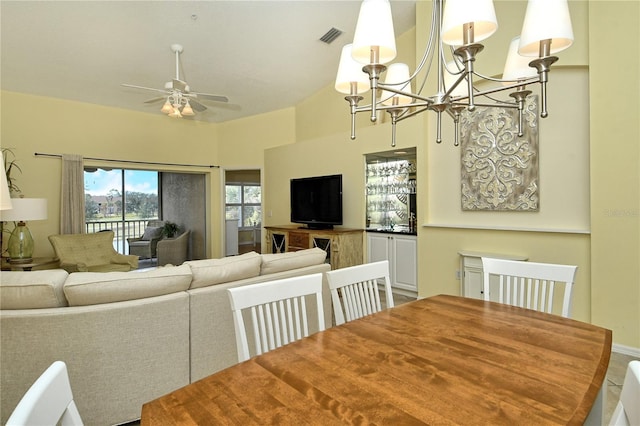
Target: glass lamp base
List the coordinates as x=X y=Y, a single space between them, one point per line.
x=20 y=245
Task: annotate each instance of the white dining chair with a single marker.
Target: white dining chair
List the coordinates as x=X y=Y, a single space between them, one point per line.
x=529 y=284
x=627 y=412
x=355 y=290
x=49 y=401
x=277 y=311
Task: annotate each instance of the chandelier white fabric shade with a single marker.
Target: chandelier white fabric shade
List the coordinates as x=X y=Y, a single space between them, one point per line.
x=544 y=20
x=25 y=209
x=397 y=77
x=5 y=197
x=517 y=66
x=350 y=71
x=459 y=12
x=374 y=28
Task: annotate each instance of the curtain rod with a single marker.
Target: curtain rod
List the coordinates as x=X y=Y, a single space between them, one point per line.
x=131 y=161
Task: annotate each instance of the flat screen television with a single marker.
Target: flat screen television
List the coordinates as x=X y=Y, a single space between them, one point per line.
x=317 y=201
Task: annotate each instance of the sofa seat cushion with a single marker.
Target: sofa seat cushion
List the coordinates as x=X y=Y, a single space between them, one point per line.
x=92 y=288
x=32 y=290
x=208 y=272
x=272 y=263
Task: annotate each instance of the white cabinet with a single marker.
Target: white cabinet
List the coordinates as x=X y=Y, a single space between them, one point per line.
x=402 y=253
x=472 y=279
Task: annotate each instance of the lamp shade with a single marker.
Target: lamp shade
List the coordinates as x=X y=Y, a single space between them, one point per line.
x=167 y=108
x=546 y=19
x=517 y=66
x=374 y=28
x=398 y=77
x=5 y=197
x=25 y=209
x=459 y=12
x=350 y=71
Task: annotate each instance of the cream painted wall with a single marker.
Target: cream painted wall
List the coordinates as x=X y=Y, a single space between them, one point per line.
x=332 y=154
x=563 y=167
x=248 y=137
x=615 y=168
x=33 y=124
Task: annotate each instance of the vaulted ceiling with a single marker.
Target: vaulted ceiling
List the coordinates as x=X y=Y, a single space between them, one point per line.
x=262 y=55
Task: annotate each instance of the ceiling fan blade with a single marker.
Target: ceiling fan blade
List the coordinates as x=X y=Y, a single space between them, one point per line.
x=197 y=105
x=145 y=88
x=216 y=98
x=152 y=100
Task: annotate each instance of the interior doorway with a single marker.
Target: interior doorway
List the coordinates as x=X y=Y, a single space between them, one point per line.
x=243 y=211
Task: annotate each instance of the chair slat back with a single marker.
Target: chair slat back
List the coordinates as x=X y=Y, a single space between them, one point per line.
x=48 y=401
x=355 y=290
x=277 y=312
x=530 y=285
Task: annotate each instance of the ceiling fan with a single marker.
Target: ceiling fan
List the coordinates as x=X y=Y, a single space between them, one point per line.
x=179 y=99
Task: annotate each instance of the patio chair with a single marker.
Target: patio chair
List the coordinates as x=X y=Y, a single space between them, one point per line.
x=145 y=245
x=277 y=311
x=173 y=251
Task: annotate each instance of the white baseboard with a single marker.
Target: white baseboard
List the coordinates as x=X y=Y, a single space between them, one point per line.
x=626 y=350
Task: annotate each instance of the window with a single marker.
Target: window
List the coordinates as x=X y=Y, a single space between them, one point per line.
x=104 y=189
x=121 y=201
x=243 y=203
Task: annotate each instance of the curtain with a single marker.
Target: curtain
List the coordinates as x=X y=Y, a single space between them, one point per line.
x=72 y=195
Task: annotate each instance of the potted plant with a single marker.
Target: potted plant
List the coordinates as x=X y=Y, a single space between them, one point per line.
x=169 y=229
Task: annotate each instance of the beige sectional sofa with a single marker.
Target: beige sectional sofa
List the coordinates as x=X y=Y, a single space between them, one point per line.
x=129 y=337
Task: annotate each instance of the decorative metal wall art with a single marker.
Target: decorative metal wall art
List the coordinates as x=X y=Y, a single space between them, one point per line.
x=499 y=170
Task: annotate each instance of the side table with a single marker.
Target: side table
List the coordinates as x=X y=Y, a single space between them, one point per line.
x=48 y=262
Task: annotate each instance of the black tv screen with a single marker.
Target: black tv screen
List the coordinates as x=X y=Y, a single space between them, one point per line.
x=317 y=201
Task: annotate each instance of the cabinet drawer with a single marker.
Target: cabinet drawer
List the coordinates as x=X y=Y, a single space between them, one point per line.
x=298 y=240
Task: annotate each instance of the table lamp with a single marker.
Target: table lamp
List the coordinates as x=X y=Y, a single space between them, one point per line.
x=20 y=245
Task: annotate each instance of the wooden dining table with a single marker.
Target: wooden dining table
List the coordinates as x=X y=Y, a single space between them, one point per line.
x=440 y=360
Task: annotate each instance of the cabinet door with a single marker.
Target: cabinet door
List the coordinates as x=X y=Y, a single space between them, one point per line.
x=377 y=247
x=405 y=259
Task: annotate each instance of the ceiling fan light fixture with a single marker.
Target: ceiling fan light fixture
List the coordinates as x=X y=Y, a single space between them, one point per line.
x=176 y=112
x=167 y=108
x=187 y=110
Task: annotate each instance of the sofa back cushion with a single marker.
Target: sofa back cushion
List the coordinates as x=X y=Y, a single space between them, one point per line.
x=272 y=263
x=92 y=288
x=32 y=290
x=217 y=271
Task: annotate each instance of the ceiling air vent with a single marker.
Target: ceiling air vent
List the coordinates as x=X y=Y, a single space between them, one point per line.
x=331 y=35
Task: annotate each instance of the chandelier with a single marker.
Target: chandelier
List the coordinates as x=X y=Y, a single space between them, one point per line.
x=461 y=25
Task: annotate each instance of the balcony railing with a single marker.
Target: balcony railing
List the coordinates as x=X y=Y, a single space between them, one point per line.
x=122 y=230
